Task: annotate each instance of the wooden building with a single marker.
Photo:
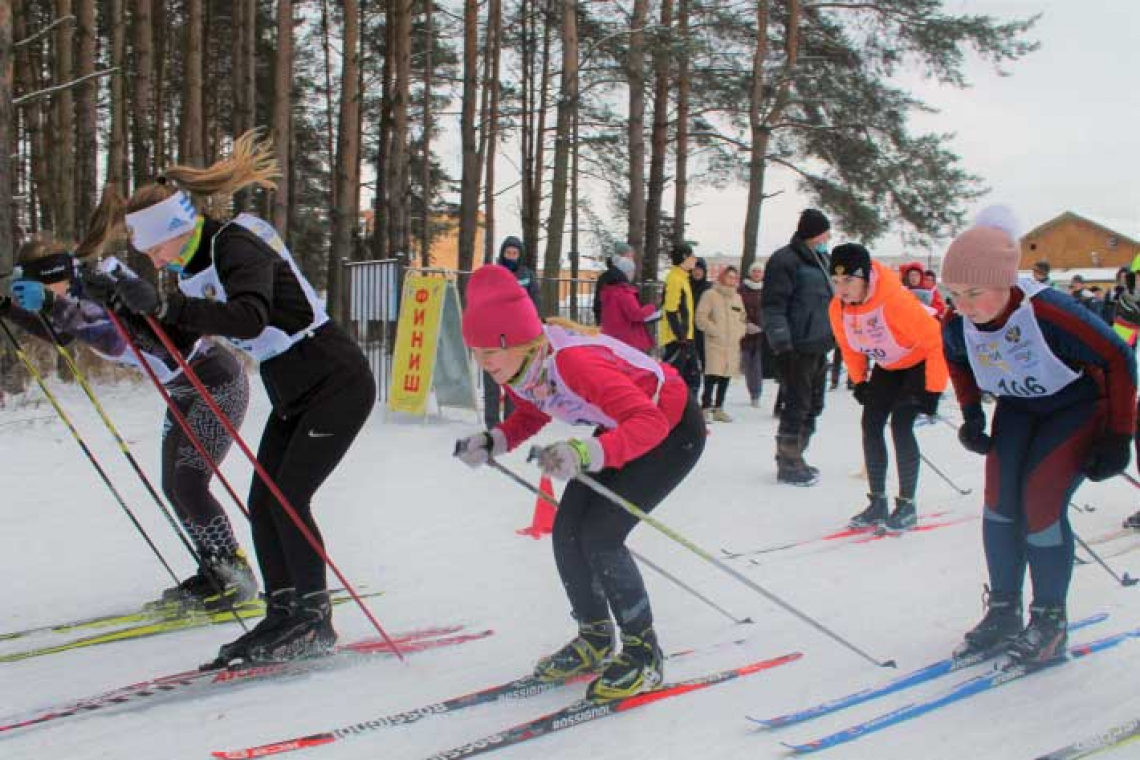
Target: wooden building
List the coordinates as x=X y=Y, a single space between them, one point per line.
x=1071 y=241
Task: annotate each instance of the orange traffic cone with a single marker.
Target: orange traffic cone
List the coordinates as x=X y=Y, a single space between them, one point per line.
x=542 y=524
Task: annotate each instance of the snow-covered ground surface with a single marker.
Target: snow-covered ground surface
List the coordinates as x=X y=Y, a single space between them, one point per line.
x=402 y=516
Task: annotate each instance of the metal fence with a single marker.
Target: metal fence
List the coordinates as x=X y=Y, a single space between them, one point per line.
x=375 y=289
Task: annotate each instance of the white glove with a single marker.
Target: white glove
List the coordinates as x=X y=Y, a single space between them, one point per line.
x=567 y=459
x=476 y=450
x=751 y=329
x=654 y=316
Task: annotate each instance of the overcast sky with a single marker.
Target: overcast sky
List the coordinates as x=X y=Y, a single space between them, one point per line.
x=1060 y=132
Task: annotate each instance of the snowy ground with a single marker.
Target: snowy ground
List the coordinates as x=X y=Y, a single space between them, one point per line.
x=402 y=516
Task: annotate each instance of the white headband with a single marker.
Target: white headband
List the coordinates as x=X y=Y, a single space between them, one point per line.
x=161 y=222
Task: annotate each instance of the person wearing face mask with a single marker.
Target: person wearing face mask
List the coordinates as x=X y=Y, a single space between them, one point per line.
x=47 y=289
x=795 y=298
x=874 y=318
x=238 y=280
x=1065 y=386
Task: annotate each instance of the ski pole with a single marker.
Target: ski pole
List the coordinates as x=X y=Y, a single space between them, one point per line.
x=634 y=510
x=652 y=566
x=1130 y=479
x=23 y=357
x=130 y=457
x=175 y=412
x=939 y=473
x=267 y=479
x=1126 y=581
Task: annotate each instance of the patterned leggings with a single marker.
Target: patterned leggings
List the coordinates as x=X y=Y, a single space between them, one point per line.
x=186 y=475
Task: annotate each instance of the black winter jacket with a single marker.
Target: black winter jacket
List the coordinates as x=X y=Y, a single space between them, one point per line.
x=795 y=297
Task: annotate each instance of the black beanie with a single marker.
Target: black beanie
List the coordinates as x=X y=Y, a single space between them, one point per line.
x=680 y=252
x=812 y=223
x=851 y=259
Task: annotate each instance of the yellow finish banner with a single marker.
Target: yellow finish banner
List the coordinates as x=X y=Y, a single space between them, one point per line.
x=417 y=334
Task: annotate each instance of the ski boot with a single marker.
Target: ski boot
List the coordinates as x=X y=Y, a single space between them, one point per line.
x=903 y=518
x=1133 y=521
x=1002 y=622
x=278 y=610
x=307 y=632
x=875 y=513
x=638 y=668
x=588 y=652
x=1043 y=639
x=221 y=582
x=791 y=468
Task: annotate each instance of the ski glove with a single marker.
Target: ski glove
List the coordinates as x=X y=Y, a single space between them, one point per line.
x=862 y=392
x=97 y=286
x=567 y=459
x=1108 y=456
x=927 y=403
x=476 y=450
x=138 y=295
x=30 y=295
x=972 y=433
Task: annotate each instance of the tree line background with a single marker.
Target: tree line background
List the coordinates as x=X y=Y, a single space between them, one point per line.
x=604 y=109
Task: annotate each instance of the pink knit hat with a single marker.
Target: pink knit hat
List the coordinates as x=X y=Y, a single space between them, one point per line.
x=982 y=256
x=499 y=311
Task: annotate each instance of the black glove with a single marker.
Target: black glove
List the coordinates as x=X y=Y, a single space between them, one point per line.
x=5 y=304
x=1108 y=456
x=138 y=295
x=97 y=286
x=862 y=392
x=927 y=402
x=972 y=433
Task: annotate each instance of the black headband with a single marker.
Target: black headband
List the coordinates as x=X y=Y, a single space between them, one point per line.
x=58 y=267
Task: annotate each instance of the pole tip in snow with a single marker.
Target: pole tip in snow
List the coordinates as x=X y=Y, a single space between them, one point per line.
x=889 y=664
x=1128 y=580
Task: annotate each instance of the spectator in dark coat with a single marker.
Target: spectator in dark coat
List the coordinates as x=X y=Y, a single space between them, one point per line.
x=512 y=255
x=752 y=344
x=795 y=298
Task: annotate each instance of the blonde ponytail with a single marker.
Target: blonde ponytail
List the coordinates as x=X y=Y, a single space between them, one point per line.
x=251 y=163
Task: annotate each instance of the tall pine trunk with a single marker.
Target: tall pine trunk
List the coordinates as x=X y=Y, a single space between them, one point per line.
x=63 y=126
x=282 y=113
x=142 y=105
x=347 y=182
x=191 y=147
x=425 y=169
x=760 y=126
x=86 y=116
x=567 y=104
x=659 y=144
x=494 y=50
x=469 y=180
x=635 y=74
x=399 y=239
x=117 y=141
x=681 y=183
x=7 y=143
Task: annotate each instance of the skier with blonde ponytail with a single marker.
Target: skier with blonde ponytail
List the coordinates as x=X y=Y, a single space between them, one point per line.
x=238 y=280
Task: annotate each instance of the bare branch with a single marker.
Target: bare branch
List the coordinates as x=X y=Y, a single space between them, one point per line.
x=44 y=31
x=33 y=96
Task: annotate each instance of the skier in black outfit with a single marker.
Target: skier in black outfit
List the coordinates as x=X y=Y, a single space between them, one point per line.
x=796 y=294
x=47 y=286
x=238 y=280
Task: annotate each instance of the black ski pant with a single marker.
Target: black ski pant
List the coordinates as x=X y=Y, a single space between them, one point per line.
x=714 y=384
x=803 y=379
x=300 y=452
x=186 y=475
x=596 y=568
x=893 y=395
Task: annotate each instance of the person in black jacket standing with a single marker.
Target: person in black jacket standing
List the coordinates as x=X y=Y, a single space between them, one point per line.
x=512 y=255
x=795 y=298
x=237 y=279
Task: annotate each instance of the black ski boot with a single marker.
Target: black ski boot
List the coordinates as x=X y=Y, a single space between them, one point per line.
x=221 y=581
x=588 y=652
x=791 y=468
x=1002 y=622
x=1133 y=521
x=1044 y=639
x=639 y=667
x=278 y=609
x=307 y=632
x=903 y=518
x=874 y=514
